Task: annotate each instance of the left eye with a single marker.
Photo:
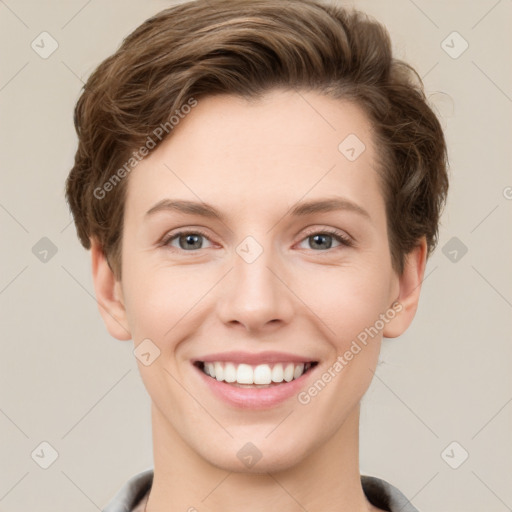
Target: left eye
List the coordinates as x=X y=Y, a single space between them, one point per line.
x=323 y=239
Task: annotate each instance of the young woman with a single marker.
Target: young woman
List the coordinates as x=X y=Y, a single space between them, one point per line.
x=260 y=185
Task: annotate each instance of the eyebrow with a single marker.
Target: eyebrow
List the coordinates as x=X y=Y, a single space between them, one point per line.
x=300 y=210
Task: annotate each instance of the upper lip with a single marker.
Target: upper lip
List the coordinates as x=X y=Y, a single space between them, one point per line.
x=255 y=358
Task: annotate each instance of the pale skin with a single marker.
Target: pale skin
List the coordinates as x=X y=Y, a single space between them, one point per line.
x=253 y=162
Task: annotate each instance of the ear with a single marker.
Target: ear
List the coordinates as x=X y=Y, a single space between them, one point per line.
x=409 y=283
x=109 y=294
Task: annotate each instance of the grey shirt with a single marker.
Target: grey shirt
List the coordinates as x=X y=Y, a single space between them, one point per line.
x=133 y=496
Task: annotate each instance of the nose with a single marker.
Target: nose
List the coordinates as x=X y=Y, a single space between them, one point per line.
x=255 y=295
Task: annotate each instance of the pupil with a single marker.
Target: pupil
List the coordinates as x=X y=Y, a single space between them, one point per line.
x=316 y=238
x=190 y=239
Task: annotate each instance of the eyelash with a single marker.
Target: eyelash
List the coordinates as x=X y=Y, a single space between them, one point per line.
x=343 y=239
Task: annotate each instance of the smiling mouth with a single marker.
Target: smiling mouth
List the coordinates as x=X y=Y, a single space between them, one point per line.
x=254 y=376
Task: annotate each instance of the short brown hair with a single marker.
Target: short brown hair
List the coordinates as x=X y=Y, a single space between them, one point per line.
x=246 y=48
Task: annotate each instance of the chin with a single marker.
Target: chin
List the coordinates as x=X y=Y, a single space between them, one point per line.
x=256 y=457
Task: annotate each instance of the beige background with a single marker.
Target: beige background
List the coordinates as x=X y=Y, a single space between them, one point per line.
x=66 y=382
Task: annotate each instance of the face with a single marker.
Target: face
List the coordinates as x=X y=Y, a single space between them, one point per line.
x=255 y=247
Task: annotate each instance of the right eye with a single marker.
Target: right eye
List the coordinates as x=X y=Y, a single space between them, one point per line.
x=187 y=240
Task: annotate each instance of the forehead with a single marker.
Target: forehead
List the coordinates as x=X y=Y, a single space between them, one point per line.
x=282 y=147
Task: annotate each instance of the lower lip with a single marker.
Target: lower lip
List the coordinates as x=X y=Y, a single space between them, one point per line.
x=254 y=398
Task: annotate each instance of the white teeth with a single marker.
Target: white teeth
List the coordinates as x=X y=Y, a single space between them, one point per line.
x=262 y=374
x=244 y=374
x=288 y=372
x=230 y=372
x=277 y=373
x=298 y=371
x=219 y=371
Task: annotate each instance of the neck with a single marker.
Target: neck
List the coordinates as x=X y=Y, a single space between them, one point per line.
x=327 y=479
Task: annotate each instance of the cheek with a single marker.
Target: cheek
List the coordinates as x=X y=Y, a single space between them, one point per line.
x=346 y=300
x=161 y=302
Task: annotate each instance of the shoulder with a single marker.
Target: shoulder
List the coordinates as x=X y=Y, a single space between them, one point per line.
x=385 y=496
x=131 y=493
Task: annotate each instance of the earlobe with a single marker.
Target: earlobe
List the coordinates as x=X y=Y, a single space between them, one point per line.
x=408 y=298
x=108 y=294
